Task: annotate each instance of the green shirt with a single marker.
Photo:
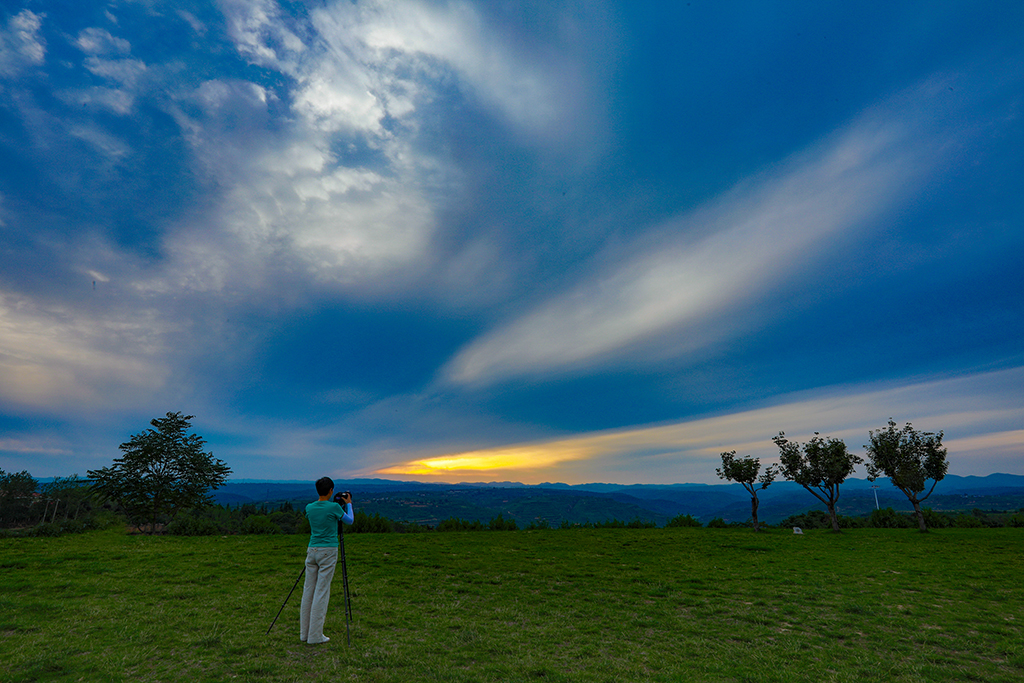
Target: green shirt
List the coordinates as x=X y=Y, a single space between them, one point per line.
x=323 y=516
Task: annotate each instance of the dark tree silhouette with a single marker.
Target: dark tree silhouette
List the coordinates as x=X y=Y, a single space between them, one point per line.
x=820 y=466
x=909 y=458
x=746 y=471
x=162 y=471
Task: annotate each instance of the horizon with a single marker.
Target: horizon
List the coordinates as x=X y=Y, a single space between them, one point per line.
x=479 y=241
x=505 y=484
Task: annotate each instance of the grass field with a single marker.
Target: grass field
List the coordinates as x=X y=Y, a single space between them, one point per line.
x=559 y=605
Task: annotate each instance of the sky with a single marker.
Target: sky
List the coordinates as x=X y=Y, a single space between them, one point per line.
x=509 y=241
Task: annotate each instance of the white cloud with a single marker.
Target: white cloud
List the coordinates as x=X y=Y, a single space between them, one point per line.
x=35 y=446
x=62 y=357
x=389 y=35
x=127 y=72
x=106 y=57
x=105 y=143
x=258 y=30
x=114 y=99
x=197 y=26
x=20 y=43
x=751 y=240
x=358 y=75
x=98 y=41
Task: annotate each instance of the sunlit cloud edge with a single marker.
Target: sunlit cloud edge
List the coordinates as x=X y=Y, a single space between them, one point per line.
x=978 y=417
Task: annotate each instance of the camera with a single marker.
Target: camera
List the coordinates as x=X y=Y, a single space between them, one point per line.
x=339 y=498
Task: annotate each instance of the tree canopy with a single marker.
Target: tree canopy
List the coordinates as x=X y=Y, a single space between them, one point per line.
x=747 y=471
x=162 y=471
x=16 y=496
x=820 y=466
x=909 y=458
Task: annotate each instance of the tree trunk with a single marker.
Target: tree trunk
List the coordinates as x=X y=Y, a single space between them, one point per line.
x=835 y=518
x=920 y=516
x=753 y=512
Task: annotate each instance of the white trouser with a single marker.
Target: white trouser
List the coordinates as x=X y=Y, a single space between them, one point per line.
x=316 y=593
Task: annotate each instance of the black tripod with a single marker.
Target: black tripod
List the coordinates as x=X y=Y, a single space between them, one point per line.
x=286 y=599
x=344 y=581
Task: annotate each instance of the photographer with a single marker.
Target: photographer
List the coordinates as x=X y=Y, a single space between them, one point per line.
x=324 y=515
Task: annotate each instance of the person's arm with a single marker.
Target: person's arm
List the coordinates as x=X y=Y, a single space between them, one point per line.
x=346 y=506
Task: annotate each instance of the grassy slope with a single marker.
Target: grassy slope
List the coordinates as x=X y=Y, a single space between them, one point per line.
x=577 y=605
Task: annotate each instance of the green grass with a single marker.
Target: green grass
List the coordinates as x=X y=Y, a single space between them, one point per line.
x=559 y=605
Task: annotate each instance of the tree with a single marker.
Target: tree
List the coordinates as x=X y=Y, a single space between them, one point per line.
x=17 y=494
x=161 y=472
x=909 y=458
x=820 y=467
x=746 y=471
x=67 y=494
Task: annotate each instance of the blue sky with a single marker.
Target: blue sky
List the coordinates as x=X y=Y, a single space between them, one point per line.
x=529 y=241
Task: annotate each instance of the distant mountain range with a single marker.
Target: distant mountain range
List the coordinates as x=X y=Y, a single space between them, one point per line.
x=429 y=503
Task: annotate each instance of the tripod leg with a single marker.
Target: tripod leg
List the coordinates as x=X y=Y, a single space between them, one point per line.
x=344 y=581
x=286 y=599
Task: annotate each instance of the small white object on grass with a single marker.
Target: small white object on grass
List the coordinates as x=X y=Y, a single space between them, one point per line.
x=797 y=530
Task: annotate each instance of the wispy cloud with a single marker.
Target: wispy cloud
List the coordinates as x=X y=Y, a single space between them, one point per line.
x=729 y=253
x=350 y=189
x=63 y=357
x=979 y=414
x=20 y=43
x=30 y=446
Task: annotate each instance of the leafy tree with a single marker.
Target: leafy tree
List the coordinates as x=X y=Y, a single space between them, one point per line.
x=499 y=523
x=909 y=458
x=162 y=470
x=68 y=495
x=682 y=520
x=17 y=493
x=820 y=466
x=887 y=518
x=747 y=471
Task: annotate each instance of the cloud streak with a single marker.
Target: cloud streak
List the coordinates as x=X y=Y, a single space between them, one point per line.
x=732 y=252
x=63 y=357
x=972 y=411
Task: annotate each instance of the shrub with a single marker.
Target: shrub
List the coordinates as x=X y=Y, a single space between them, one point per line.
x=499 y=523
x=259 y=524
x=967 y=522
x=606 y=524
x=888 y=518
x=637 y=523
x=104 y=519
x=683 y=521
x=854 y=522
x=46 y=529
x=285 y=521
x=456 y=524
x=539 y=524
x=812 y=519
x=717 y=523
x=988 y=520
x=365 y=524
x=1016 y=520
x=936 y=520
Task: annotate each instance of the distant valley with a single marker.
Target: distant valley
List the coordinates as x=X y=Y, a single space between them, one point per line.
x=429 y=503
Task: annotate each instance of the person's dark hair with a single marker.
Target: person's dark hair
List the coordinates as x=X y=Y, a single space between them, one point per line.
x=324 y=486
